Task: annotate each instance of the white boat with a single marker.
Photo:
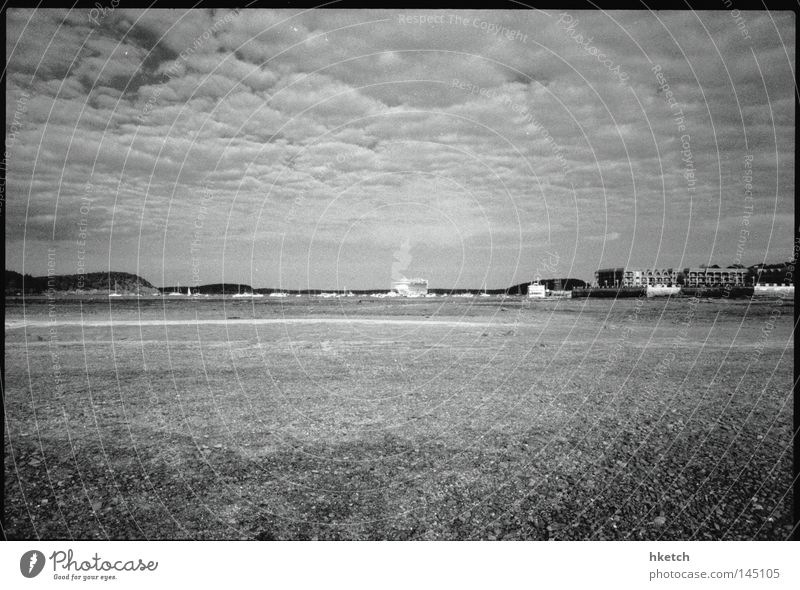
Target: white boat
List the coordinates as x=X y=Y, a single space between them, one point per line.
x=277 y=294
x=115 y=294
x=176 y=293
x=248 y=295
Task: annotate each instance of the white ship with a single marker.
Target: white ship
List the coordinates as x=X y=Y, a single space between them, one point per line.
x=410 y=287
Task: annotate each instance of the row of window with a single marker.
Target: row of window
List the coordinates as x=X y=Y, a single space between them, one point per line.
x=669 y=277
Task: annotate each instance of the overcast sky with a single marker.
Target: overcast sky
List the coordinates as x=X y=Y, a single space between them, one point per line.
x=327 y=148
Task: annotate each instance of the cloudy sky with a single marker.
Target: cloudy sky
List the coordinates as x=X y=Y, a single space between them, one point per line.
x=333 y=148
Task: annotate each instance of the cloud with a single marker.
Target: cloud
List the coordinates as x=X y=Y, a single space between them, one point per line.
x=351 y=128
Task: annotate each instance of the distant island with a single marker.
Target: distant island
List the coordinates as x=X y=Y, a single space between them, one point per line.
x=125 y=283
x=93 y=282
x=122 y=283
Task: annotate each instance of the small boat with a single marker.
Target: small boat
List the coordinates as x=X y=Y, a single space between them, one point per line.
x=115 y=294
x=247 y=294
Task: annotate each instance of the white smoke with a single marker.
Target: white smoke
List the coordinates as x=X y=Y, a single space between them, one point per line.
x=402 y=258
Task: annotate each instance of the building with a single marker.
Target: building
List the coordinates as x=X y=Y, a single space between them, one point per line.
x=715 y=277
x=410 y=287
x=609 y=277
x=536 y=291
x=771 y=274
x=667 y=277
x=564 y=284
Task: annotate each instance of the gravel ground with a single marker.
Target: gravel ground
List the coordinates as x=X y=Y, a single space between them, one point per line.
x=477 y=419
